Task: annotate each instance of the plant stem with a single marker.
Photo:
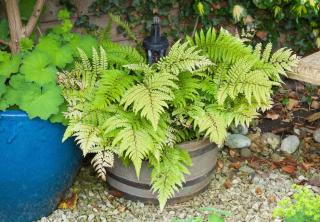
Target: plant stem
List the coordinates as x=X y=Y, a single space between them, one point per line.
x=3 y=42
x=195 y=26
x=17 y=30
x=15 y=24
x=34 y=17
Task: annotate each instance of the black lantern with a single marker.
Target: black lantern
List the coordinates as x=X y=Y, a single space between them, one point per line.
x=155 y=44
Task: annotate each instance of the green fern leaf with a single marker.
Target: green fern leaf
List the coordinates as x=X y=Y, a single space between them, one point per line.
x=211 y=122
x=112 y=85
x=187 y=90
x=181 y=58
x=87 y=137
x=101 y=161
x=131 y=141
x=168 y=175
x=151 y=97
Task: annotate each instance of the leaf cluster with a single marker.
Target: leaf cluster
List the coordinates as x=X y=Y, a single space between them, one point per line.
x=303 y=206
x=28 y=79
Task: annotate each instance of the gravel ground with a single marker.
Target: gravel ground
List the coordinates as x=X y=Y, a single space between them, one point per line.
x=250 y=197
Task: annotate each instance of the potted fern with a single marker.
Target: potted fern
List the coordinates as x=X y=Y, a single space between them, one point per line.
x=121 y=108
x=36 y=168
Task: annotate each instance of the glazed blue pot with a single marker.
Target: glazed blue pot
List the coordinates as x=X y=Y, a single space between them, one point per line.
x=36 y=168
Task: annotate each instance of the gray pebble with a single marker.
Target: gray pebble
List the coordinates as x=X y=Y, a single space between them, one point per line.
x=245 y=152
x=290 y=144
x=237 y=141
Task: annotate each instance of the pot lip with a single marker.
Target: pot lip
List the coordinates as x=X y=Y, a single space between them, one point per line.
x=13 y=113
x=195 y=144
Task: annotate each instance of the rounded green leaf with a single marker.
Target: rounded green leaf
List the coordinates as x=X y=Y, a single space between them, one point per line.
x=59 y=54
x=37 y=68
x=42 y=101
x=9 y=64
x=85 y=42
x=2 y=85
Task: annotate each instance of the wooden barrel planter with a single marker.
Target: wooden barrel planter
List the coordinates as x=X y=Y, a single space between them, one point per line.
x=204 y=158
x=308 y=69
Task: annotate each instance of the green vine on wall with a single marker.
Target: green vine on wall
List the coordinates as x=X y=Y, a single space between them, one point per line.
x=291 y=23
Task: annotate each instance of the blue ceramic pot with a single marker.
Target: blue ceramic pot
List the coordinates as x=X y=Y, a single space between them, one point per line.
x=36 y=168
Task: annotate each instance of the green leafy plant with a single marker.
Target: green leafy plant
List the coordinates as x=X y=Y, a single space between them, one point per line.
x=28 y=78
x=294 y=24
x=120 y=105
x=303 y=206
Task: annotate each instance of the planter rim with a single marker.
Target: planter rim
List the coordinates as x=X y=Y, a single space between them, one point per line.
x=195 y=144
x=13 y=113
x=200 y=140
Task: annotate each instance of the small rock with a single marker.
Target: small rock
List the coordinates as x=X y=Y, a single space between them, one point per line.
x=271 y=140
x=315 y=189
x=240 y=129
x=301 y=178
x=90 y=217
x=316 y=135
x=315 y=104
x=266 y=152
x=256 y=206
x=276 y=157
x=246 y=169
x=237 y=141
x=297 y=131
x=182 y=215
x=245 y=152
x=290 y=144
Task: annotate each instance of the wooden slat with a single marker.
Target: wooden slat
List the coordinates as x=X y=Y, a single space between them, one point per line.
x=308 y=69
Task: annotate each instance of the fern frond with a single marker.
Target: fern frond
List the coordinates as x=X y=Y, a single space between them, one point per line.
x=84 y=60
x=101 y=161
x=132 y=139
x=119 y=55
x=112 y=86
x=284 y=60
x=151 y=97
x=187 y=90
x=266 y=53
x=103 y=62
x=70 y=129
x=241 y=79
x=141 y=67
x=211 y=123
x=87 y=137
x=124 y=25
x=168 y=175
x=276 y=64
x=95 y=61
x=240 y=113
x=182 y=58
x=220 y=48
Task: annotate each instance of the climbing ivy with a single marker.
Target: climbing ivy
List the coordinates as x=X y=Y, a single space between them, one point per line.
x=283 y=22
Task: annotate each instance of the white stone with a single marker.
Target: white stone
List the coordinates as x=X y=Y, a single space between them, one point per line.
x=272 y=140
x=290 y=144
